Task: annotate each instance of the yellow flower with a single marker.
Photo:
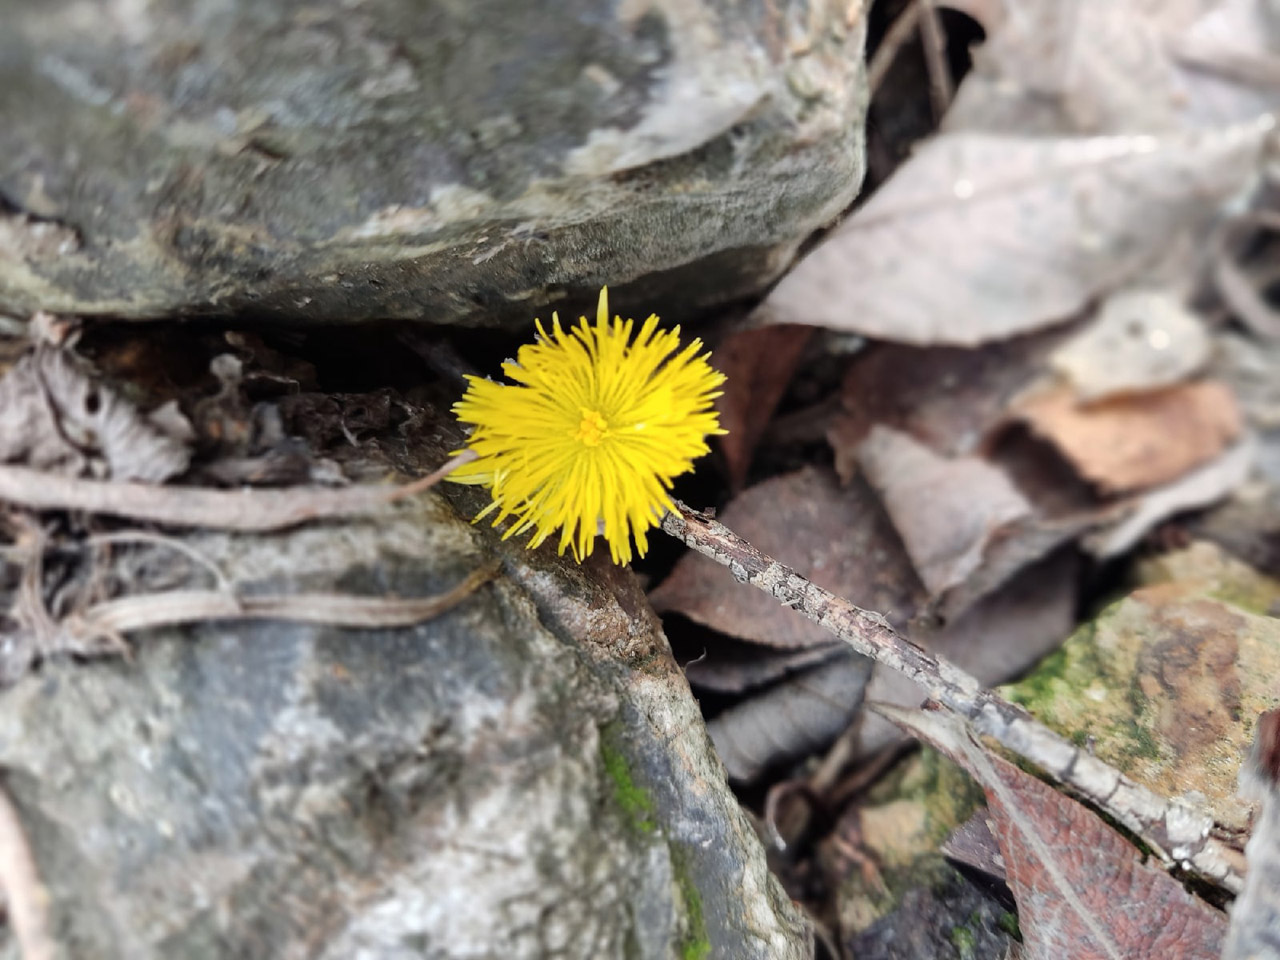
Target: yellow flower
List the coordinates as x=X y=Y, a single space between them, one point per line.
x=592 y=431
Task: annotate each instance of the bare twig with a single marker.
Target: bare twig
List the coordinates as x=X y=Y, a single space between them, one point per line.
x=919 y=15
x=26 y=896
x=245 y=510
x=1179 y=833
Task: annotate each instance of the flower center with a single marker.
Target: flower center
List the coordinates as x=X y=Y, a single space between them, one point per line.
x=592 y=429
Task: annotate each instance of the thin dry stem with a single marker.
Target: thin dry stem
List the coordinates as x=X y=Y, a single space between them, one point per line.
x=248 y=510
x=126 y=614
x=894 y=38
x=1178 y=832
x=934 y=39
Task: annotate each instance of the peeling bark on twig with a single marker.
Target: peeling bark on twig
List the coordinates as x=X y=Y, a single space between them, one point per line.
x=1178 y=833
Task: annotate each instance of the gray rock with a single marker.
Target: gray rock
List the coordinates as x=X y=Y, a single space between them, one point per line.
x=526 y=776
x=453 y=162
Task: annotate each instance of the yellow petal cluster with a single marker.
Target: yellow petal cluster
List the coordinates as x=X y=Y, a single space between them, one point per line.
x=591 y=431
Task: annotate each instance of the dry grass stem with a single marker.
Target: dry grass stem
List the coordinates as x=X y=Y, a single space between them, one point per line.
x=247 y=510
x=894 y=38
x=1179 y=833
x=125 y=614
x=942 y=89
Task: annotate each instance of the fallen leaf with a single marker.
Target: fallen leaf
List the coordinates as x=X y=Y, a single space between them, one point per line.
x=947 y=397
x=1199 y=488
x=1083 y=891
x=1120 y=67
x=758 y=364
x=790 y=719
x=1139 y=341
x=730 y=666
x=947 y=510
x=838 y=538
x=966 y=524
x=972 y=845
x=54 y=415
x=979 y=237
x=1137 y=441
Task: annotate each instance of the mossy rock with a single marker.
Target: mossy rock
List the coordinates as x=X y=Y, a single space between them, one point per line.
x=1167 y=683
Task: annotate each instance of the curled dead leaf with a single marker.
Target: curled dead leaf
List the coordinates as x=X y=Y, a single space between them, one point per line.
x=796 y=716
x=1136 y=441
x=947 y=397
x=965 y=524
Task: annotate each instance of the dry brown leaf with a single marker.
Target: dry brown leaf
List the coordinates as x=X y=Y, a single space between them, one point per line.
x=758 y=365
x=838 y=538
x=972 y=845
x=947 y=397
x=979 y=237
x=967 y=526
x=734 y=667
x=790 y=719
x=1083 y=891
x=1138 y=441
x=947 y=510
x=1120 y=66
x=1199 y=488
x=1140 y=340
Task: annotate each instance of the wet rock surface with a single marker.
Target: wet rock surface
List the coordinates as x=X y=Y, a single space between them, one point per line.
x=526 y=775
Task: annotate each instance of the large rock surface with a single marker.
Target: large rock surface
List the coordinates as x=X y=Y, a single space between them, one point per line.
x=454 y=162
x=526 y=776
